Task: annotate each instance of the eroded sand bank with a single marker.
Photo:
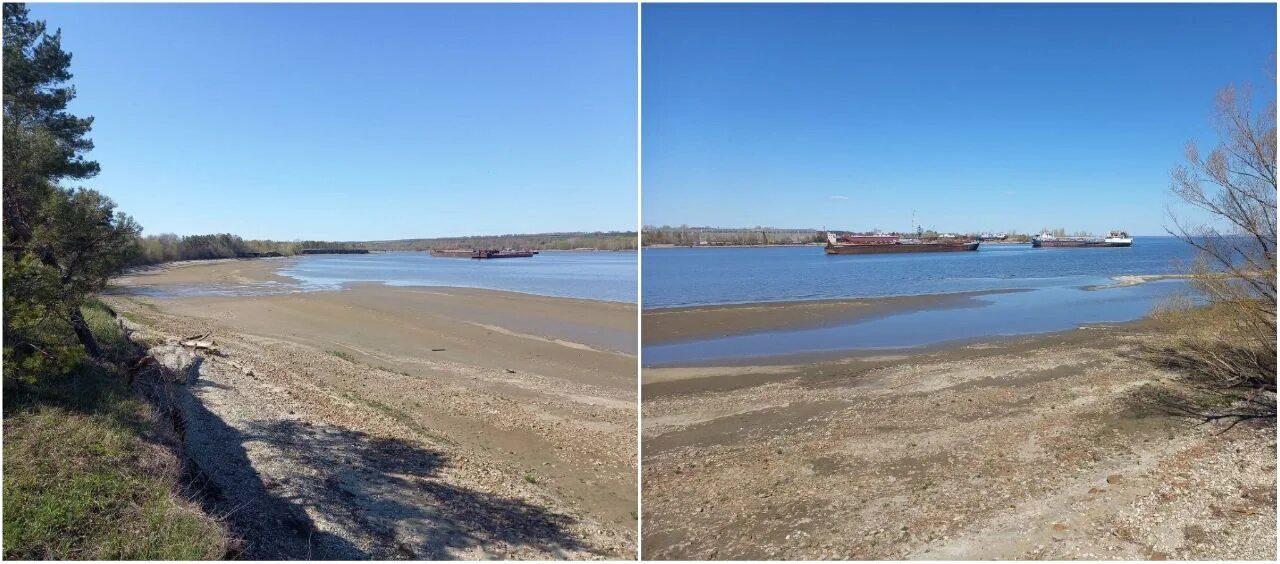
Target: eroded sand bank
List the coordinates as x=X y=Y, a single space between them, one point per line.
x=519 y=410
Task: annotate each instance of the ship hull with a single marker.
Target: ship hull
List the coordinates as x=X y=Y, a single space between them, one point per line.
x=1077 y=244
x=481 y=254
x=453 y=254
x=887 y=248
x=1066 y=244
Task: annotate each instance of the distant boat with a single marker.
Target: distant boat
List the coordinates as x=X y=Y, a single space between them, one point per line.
x=494 y=254
x=1113 y=239
x=877 y=244
x=452 y=253
x=1118 y=239
x=482 y=253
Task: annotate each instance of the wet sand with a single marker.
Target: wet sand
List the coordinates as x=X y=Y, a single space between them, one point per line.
x=1054 y=446
x=533 y=398
x=218 y=271
x=665 y=325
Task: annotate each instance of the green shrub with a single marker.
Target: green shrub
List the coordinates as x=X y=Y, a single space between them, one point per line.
x=82 y=479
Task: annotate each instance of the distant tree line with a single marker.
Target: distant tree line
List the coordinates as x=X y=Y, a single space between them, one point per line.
x=685 y=236
x=167 y=247
x=600 y=240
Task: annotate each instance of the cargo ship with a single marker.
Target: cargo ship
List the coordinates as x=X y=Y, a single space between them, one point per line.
x=875 y=244
x=482 y=253
x=1113 y=239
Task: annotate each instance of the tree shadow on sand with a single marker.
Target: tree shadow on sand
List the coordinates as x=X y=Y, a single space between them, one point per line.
x=1218 y=383
x=379 y=498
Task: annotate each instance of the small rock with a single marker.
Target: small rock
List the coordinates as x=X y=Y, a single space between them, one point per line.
x=1195 y=534
x=1114 y=479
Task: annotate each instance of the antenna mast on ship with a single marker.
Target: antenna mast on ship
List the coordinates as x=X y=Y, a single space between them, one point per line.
x=916 y=225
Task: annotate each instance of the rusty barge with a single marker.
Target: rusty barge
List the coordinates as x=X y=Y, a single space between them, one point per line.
x=879 y=244
x=482 y=253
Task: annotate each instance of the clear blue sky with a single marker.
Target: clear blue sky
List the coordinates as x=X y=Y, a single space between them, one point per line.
x=349 y=122
x=979 y=117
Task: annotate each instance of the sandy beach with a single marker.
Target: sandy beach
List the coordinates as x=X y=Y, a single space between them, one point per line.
x=1054 y=446
x=520 y=407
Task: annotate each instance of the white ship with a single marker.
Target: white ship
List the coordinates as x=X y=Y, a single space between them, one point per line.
x=1118 y=239
x=1113 y=239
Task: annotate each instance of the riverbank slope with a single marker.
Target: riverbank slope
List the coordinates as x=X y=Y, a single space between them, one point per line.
x=409 y=422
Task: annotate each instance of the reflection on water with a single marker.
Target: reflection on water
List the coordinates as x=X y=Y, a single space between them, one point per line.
x=1047 y=308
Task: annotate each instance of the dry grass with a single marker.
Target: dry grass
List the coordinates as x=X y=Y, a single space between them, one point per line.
x=344 y=356
x=1227 y=362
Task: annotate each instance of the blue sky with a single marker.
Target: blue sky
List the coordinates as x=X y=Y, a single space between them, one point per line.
x=978 y=117
x=347 y=122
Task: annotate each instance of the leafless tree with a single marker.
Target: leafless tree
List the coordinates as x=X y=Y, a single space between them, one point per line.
x=1236 y=184
x=1235 y=270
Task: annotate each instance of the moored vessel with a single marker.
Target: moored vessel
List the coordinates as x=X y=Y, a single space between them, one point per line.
x=1113 y=239
x=877 y=244
x=453 y=253
x=482 y=253
x=509 y=253
x=1118 y=239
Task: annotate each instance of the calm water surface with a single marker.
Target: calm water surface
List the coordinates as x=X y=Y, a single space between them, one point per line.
x=609 y=276
x=1056 y=292
x=692 y=276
